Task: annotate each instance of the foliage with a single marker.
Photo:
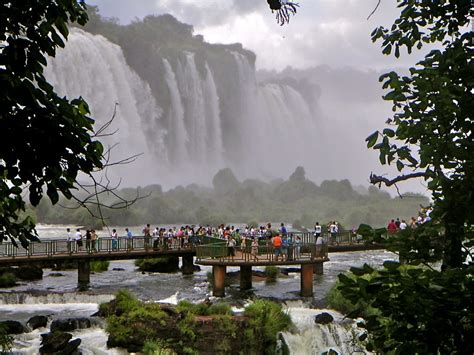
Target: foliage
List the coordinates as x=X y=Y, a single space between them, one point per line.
x=254 y=201
x=7 y=279
x=6 y=340
x=422 y=310
x=266 y=320
x=156 y=348
x=271 y=272
x=100 y=265
x=47 y=140
x=419 y=311
x=189 y=327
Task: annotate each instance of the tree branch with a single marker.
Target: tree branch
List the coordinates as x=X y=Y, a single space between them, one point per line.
x=376 y=179
x=373 y=11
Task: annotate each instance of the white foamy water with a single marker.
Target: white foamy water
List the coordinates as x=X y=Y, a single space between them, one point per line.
x=311 y=338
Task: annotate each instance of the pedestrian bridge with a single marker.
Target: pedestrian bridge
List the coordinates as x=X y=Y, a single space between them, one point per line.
x=208 y=251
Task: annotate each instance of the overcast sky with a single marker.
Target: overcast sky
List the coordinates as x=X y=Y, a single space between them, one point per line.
x=333 y=32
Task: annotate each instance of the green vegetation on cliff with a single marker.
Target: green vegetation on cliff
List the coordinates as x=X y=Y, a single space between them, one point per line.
x=296 y=199
x=193 y=328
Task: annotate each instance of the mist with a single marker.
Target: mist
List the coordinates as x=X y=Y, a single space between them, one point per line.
x=190 y=108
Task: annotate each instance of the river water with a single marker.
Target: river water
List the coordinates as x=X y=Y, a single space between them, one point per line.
x=57 y=297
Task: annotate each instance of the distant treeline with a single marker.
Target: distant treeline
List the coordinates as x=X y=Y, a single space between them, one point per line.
x=296 y=200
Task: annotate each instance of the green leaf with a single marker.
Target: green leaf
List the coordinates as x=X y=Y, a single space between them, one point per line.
x=372 y=139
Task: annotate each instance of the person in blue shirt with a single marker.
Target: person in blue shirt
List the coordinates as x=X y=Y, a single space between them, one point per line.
x=129 y=239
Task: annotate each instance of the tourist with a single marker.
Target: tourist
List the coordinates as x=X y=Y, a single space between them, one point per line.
x=93 y=241
x=333 y=229
x=284 y=247
x=283 y=230
x=276 y=243
x=114 y=237
x=88 y=241
x=231 y=245
x=392 y=227
x=397 y=223
x=297 y=243
x=255 y=248
x=146 y=235
x=319 y=246
x=317 y=230
x=403 y=225
x=129 y=236
x=78 y=238
x=70 y=241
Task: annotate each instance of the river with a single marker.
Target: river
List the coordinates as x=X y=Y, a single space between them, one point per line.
x=57 y=297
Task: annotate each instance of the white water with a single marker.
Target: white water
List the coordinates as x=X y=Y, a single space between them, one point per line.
x=94 y=68
x=206 y=124
x=311 y=338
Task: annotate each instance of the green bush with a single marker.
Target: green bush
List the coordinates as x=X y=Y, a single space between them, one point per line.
x=156 y=348
x=220 y=308
x=6 y=340
x=271 y=272
x=100 y=265
x=266 y=319
x=7 y=279
x=337 y=301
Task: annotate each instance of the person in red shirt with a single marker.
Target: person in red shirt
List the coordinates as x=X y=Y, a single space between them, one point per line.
x=392 y=227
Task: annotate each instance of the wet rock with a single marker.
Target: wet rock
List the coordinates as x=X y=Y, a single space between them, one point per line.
x=71 y=347
x=118 y=269
x=37 y=322
x=13 y=327
x=161 y=264
x=323 y=318
x=29 y=273
x=70 y=324
x=54 y=342
x=56 y=274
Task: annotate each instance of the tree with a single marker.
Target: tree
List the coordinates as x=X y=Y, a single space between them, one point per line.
x=47 y=140
x=424 y=310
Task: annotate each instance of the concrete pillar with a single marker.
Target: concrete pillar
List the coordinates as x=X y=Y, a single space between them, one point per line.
x=218 y=274
x=245 y=277
x=318 y=268
x=307 y=280
x=83 y=274
x=187 y=266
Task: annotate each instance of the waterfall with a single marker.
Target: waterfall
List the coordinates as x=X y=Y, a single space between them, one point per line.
x=177 y=133
x=92 y=67
x=213 y=115
x=341 y=335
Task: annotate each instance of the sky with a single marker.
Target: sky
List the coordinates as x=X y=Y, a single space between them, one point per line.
x=332 y=32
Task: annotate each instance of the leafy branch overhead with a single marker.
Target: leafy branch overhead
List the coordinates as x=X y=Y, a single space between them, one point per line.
x=48 y=141
x=423 y=308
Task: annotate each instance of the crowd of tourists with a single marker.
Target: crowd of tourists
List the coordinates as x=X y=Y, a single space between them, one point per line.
x=396 y=225
x=248 y=239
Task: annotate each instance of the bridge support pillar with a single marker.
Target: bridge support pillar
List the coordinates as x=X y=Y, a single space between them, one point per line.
x=187 y=266
x=83 y=274
x=307 y=280
x=218 y=274
x=319 y=268
x=245 y=277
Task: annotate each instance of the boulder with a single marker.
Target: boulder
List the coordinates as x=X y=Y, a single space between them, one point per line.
x=13 y=327
x=55 y=274
x=70 y=324
x=323 y=318
x=54 y=342
x=37 y=322
x=71 y=347
x=29 y=273
x=161 y=264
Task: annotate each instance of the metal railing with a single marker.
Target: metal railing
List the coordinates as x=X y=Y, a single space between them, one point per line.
x=123 y=244
x=261 y=253
x=99 y=246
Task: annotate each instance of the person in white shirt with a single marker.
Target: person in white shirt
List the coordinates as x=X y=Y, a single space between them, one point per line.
x=70 y=241
x=78 y=238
